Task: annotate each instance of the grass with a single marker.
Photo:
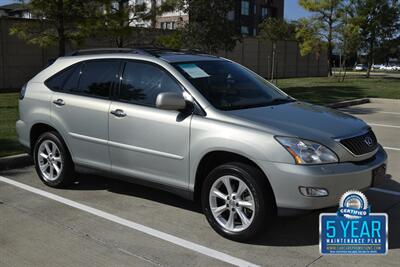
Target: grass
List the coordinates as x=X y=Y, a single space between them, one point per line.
x=8 y=116
x=323 y=90
x=319 y=90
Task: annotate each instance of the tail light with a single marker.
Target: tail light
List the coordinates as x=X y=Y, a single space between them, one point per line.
x=22 y=93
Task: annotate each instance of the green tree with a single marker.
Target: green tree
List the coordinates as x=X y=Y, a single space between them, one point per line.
x=323 y=22
x=309 y=38
x=173 y=40
x=348 y=37
x=114 y=18
x=378 y=21
x=59 y=22
x=275 y=30
x=210 y=28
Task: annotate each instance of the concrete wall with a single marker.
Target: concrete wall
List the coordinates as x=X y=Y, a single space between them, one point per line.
x=20 y=61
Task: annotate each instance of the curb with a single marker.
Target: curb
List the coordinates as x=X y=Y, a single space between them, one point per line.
x=348 y=103
x=17 y=161
x=385 y=101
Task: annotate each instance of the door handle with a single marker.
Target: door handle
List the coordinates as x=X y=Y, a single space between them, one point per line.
x=59 y=102
x=118 y=113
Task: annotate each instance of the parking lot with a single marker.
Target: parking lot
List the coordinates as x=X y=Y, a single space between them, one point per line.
x=103 y=222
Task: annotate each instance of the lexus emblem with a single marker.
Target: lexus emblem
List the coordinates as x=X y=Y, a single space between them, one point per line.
x=368 y=140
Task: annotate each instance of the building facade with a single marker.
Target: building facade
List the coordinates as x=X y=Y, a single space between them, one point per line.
x=250 y=13
x=15 y=10
x=168 y=20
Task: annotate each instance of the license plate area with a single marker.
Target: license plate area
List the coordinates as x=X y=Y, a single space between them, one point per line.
x=378 y=175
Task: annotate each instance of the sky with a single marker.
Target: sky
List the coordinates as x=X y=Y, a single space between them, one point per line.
x=292 y=9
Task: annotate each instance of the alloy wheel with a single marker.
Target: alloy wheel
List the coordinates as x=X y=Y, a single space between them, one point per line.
x=49 y=160
x=232 y=203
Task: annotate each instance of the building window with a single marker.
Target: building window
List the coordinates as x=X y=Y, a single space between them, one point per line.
x=231 y=15
x=245 y=7
x=168 y=25
x=264 y=12
x=244 y=30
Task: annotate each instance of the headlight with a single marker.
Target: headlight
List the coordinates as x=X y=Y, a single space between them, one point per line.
x=307 y=152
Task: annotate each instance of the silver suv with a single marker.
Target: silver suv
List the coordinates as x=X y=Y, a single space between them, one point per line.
x=197 y=125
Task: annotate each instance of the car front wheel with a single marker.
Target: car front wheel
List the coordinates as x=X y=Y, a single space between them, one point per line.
x=237 y=201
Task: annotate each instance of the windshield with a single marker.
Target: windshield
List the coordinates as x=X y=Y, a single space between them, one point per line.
x=228 y=86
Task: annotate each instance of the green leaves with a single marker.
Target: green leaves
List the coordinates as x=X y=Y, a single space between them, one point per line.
x=209 y=28
x=276 y=29
x=59 y=22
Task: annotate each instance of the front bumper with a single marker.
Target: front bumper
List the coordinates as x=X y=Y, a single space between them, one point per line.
x=337 y=178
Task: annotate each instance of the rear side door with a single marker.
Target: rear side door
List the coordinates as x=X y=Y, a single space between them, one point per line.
x=147 y=142
x=80 y=110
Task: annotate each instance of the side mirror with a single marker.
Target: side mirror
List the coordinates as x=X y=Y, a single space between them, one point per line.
x=170 y=101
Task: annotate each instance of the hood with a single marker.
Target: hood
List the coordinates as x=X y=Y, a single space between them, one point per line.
x=299 y=119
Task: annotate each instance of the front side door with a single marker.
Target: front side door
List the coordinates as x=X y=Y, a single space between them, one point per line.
x=81 y=110
x=147 y=142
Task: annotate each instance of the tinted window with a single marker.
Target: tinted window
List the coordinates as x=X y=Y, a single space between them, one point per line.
x=57 y=82
x=142 y=82
x=71 y=84
x=228 y=85
x=96 y=78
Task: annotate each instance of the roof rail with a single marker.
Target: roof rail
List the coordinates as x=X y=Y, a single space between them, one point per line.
x=95 y=51
x=154 y=51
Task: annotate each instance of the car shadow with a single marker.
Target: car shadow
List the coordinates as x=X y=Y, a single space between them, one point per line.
x=94 y=182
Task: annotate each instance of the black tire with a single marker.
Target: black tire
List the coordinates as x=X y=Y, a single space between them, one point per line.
x=264 y=200
x=67 y=171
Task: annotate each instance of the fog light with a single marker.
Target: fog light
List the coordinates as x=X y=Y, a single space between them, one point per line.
x=313 y=191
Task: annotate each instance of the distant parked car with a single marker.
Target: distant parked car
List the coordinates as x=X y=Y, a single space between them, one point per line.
x=378 y=66
x=360 y=67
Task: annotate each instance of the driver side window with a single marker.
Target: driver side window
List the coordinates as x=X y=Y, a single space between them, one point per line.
x=142 y=82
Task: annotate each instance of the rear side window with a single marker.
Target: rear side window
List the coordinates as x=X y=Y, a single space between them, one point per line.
x=142 y=82
x=56 y=82
x=97 y=78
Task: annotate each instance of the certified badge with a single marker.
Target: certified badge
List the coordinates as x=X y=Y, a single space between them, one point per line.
x=353 y=229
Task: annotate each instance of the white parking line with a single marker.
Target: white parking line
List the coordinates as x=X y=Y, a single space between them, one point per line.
x=391 y=148
x=383 y=125
x=133 y=225
x=385 y=191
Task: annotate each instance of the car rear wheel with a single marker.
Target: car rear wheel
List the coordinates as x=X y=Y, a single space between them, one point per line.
x=52 y=161
x=237 y=201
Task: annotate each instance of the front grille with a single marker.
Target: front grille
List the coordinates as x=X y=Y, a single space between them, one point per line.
x=361 y=144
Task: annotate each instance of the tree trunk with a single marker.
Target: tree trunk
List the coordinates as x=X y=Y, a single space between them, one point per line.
x=61 y=28
x=344 y=69
x=153 y=14
x=273 y=61
x=330 y=58
x=370 y=57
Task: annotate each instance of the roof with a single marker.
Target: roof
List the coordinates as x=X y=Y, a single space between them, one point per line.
x=167 y=55
x=14 y=7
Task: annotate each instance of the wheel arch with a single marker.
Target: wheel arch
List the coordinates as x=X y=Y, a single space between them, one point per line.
x=218 y=157
x=38 y=129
